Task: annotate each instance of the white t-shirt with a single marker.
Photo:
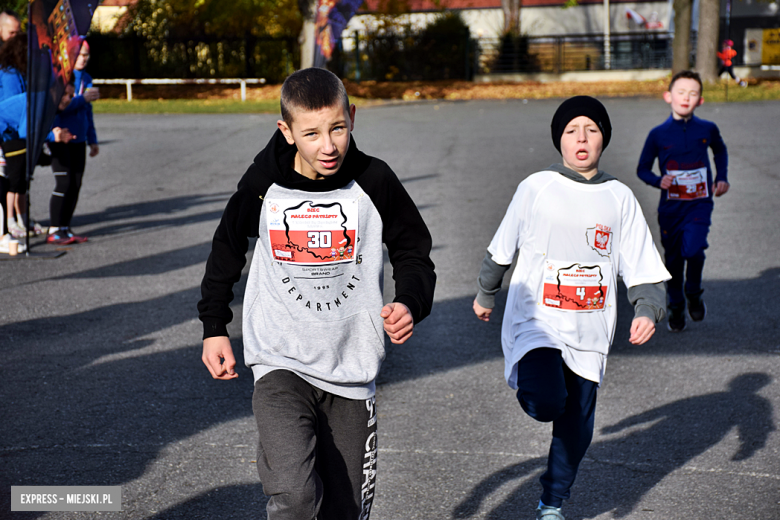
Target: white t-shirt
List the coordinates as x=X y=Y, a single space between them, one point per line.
x=574 y=240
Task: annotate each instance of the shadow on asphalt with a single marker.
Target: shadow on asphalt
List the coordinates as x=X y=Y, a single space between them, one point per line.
x=125 y=218
x=228 y=503
x=94 y=402
x=631 y=465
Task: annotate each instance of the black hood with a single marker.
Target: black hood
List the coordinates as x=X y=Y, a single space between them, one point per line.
x=274 y=165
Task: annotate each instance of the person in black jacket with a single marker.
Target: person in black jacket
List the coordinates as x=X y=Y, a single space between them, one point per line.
x=313 y=315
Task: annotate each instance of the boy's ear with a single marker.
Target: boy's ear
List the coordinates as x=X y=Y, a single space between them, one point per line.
x=701 y=102
x=668 y=97
x=352 y=110
x=286 y=131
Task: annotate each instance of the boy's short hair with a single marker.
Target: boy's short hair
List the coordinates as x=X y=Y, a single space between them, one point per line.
x=311 y=89
x=687 y=74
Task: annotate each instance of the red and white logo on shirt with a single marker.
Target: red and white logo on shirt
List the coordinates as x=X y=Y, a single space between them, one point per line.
x=600 y=239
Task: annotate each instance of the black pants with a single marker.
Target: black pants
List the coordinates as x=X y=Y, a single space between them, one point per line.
x=68 y=162
x=15 y=152
x=316 y=452
x=549 y=391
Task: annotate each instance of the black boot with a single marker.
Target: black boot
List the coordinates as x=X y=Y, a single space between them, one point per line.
x=675 y=317
x=696 y=308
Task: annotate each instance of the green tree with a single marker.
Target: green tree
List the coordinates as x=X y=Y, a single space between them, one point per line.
x=158 y=19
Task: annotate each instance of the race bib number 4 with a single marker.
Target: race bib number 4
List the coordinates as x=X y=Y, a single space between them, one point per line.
x=312 y=232
x=688 y=184
x=570 y=286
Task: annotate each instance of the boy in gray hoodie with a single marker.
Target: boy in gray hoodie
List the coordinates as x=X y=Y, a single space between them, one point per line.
x=313 y=310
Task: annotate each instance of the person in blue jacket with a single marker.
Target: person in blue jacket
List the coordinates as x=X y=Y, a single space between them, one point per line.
x=13 y=129
x=687 y=188
x=13 y=66
x=13 y=69
x=69 y=159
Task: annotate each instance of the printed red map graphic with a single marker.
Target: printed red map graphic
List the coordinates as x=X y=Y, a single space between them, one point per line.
x=566 y=298
x=296 y=244
x=574 y=287
x=312 y=232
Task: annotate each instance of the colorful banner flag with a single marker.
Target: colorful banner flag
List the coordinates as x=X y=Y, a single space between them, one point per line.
x=332 y=19
x=55 y=32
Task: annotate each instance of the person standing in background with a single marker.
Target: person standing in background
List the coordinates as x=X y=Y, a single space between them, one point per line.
x=69 y=159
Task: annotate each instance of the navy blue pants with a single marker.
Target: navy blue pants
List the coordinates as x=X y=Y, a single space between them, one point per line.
x=684 y=238
x=549 y=391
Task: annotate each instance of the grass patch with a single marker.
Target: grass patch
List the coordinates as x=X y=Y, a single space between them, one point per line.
x=184 y=106
x=266 y=100
x=723 y=91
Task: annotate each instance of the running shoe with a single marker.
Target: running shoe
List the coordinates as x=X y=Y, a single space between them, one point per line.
x=15 y=229
x=675 y=318
x=77 y=239
x=549 y=513
x=36 y=229
x=696 y=308
x=59 y=238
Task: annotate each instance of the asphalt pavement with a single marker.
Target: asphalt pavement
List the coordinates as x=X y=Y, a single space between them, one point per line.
x=102 y=382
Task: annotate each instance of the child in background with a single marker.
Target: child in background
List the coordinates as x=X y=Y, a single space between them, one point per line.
x=685 y=209
x=13 y=129
x=726 y=64
x=69 y=159
x=13 y=71
x=576 y=229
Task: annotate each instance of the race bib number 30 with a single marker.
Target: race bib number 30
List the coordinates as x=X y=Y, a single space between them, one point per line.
x=688 y=184
x=571 y=286
x=312 y=232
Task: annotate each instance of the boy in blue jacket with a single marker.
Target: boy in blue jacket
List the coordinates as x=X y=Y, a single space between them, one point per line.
x=687 y=187
x=69 y=159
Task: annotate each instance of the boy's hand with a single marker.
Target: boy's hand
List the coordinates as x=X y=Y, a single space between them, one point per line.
x=398 y=322
x=721 y=188
x=94 y=149
x=666 y=181
x=642 y=329
x=481 y=312
x=62 y=135
x=91 y=94
x=218 y=357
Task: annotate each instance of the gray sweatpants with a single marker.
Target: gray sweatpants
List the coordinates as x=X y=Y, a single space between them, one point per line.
x=316 y=451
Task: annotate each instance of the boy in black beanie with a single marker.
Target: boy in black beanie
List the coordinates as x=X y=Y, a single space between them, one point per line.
x=575 y=229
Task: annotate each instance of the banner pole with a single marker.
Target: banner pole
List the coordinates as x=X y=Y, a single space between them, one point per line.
x=28 y=141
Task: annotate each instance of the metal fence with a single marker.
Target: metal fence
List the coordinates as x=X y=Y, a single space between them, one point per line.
x=563 y=53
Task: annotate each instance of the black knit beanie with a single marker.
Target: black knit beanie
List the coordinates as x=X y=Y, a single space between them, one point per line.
x=580 y=106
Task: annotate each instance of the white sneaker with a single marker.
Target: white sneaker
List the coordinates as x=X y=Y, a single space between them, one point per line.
x=15 y=229
x=549 y=513
x=5 y=245
x=37 y=229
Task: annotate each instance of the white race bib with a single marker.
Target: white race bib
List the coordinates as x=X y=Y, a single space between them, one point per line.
x=311 y=231
x=574 y=286
x=688 y=184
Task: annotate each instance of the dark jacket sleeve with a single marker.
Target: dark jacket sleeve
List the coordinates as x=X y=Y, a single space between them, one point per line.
x=720 y=155
x=645 y=168
x=228 y=257
x=407 y=239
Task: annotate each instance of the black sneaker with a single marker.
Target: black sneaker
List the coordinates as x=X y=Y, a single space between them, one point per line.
x=696 y=308
x=675 y=318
